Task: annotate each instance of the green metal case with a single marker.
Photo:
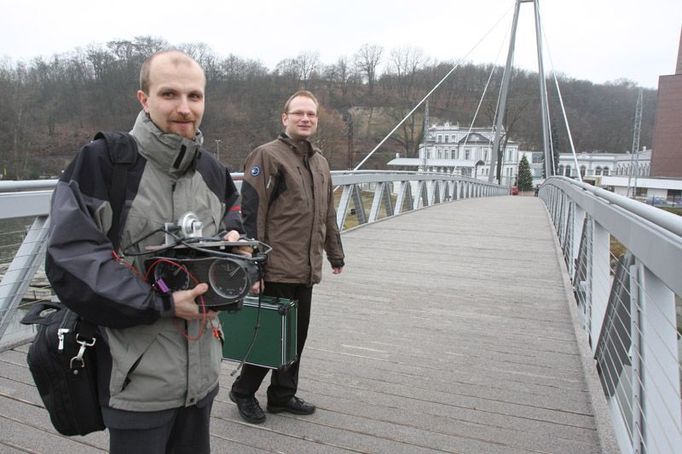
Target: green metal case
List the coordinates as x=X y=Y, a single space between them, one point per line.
x=274 y=344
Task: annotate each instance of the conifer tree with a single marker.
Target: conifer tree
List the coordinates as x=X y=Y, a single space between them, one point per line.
x=525 y=177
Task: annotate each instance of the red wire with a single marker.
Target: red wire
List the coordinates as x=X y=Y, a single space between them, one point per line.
x=130 y=266
x=195 y=281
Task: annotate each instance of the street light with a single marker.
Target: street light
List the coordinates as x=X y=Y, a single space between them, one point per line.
x=217 y=149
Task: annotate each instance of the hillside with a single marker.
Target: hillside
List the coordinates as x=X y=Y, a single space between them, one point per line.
x=51 y=107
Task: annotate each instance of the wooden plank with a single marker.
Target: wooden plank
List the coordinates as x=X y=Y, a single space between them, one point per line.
x=448 y=331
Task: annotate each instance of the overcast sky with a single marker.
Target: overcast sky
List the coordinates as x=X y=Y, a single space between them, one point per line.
x=597 y=40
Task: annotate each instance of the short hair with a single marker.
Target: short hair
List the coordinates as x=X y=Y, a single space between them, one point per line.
x=303 y=93
x=180 y=57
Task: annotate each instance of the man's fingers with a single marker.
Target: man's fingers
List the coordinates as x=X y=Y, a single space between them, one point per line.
x=232 y=235
x=200 y=289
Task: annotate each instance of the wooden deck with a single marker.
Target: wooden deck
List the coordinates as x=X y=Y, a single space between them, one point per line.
x=449 y=331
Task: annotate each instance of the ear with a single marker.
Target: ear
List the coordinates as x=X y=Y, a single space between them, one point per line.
x=284 y=119
x=143 y=98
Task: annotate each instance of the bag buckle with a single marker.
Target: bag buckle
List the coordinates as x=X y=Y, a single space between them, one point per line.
x=60 y=336
x=78 y=361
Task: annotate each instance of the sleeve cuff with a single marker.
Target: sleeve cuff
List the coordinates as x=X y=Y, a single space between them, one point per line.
x=337 y=263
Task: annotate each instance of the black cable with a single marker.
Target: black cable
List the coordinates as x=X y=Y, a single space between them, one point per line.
x=156 y=251
x=256 y=326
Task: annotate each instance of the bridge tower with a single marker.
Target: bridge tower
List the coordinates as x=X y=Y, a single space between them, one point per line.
x=504 y=91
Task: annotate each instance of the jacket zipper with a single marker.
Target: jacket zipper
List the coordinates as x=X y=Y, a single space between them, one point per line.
x=312 y=223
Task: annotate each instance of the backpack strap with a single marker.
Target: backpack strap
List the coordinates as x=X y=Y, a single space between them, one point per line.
x=122 y=150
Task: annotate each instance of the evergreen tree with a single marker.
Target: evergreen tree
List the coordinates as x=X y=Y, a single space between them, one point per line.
x=525 y=177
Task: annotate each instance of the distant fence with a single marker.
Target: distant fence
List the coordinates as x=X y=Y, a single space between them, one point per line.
x=362 y=197
x=625 y=262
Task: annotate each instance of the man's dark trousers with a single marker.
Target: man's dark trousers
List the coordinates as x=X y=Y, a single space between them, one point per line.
x=284 y=382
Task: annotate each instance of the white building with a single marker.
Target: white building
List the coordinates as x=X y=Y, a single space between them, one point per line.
x=611 y=171
x=596 y=164
x=655 y=191
x=451 y=149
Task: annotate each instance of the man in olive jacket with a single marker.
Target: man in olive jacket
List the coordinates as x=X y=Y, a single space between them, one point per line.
x=288 y=203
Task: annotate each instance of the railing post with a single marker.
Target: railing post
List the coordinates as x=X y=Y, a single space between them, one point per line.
x=342 y=209
x=661 y=370
x=18 y=276
x=636 y=298
x=599 y=279
x=577 y=231
x=422 y=195
x=357 y=203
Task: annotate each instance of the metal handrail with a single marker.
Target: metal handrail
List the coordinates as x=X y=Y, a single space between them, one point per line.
x=627 y=304
x=19 y=199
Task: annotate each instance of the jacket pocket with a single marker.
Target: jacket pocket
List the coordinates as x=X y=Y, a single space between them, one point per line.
x=152 y=373
x=305 y=187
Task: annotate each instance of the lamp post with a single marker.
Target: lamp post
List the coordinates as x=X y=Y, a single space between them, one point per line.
x=217 y=149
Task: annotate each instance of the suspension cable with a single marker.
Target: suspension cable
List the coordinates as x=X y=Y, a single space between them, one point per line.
x=485 y=89
x=456 y=65
x=563 y=109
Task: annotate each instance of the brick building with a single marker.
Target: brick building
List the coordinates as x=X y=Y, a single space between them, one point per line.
x=666 y=160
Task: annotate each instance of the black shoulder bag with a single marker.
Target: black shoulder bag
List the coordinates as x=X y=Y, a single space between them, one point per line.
x=62 y=356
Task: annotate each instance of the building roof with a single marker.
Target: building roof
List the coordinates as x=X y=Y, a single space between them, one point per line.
x=475 y=137
x=415 y=162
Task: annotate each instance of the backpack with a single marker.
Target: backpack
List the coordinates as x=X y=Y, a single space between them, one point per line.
x=62 y=356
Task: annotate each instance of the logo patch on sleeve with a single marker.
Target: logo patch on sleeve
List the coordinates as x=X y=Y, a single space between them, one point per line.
x=255 y=171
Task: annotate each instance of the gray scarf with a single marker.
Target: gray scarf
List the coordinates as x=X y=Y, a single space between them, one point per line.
x=171 y=153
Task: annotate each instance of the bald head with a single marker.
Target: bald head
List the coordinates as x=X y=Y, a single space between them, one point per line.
x=172 y=92
x=175 y=58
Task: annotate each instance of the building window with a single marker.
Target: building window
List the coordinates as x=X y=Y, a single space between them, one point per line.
x=568 y=171
x=605 y=171
x=561 y=170
x=582 y=171
x=467 y=154
x=597 y=171
x=447 y=138
x=439 y=138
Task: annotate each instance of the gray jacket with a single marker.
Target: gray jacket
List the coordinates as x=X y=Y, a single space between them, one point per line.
x=148 y=360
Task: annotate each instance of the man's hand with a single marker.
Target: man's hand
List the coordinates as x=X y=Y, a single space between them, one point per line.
x=233 y=235
x=185 y=305
x=337 y=269
x=257 y=287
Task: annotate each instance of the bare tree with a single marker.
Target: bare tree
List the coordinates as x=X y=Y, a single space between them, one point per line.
x=308 y=64
x=366 y=61
x=405 y=63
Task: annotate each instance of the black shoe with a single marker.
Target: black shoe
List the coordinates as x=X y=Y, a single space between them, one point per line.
x=249 y=409
x=295 y=405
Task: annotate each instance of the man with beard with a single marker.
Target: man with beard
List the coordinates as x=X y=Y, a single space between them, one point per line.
x=158 y=353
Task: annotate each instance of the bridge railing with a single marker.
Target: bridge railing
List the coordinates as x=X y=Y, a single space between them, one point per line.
x=625 y=262
x=362 y=197
x=372 y=195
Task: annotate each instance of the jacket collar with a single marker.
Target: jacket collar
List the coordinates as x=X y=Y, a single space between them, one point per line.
x=172 y=153
x=301 y=147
